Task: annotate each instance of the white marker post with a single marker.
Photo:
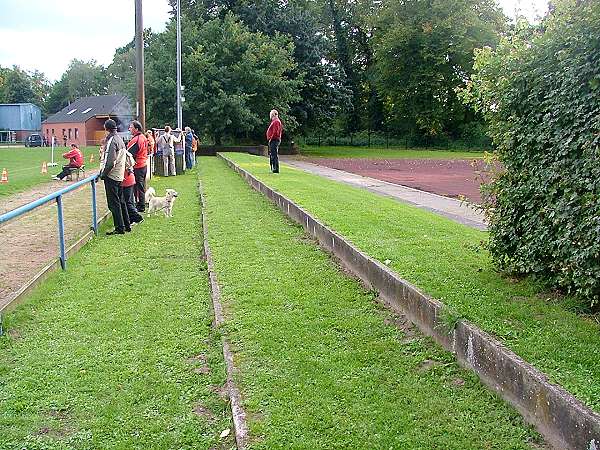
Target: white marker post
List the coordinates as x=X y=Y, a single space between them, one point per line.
x=52 y=163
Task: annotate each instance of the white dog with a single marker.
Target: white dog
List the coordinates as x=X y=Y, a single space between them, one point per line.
x=150 y=192
x=156 y=204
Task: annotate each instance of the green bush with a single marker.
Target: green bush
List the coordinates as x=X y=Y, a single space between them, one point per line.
x=540 y=93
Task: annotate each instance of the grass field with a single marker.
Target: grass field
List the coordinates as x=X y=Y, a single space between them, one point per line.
x=447 y=261
x=384 y=153
x=24 y=166
x=118 y=351
x=321 y=365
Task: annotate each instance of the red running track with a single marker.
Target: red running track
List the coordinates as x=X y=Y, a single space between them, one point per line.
x=448 y=177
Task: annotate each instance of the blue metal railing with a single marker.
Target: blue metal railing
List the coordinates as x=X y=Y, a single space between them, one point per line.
x=61 y=226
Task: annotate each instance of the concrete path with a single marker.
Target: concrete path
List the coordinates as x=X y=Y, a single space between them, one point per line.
x=448 y=207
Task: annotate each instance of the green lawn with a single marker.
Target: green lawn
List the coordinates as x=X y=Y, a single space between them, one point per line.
x=321 y=365
x=118 y=351
x=24 y=166
x=447 y=261
x=384 y=153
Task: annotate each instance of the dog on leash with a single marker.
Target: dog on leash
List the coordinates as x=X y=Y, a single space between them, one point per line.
x=156 y=204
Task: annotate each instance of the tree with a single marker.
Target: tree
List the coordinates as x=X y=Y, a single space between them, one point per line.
x=160 y=75
x=235 y=77
x=58 y=97
x=322 y=92
x=19 y=86
x=540 y=93
x=424 y=52
x=121 y=73
x=81 y=79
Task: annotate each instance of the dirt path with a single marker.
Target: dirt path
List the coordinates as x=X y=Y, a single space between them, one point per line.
x=453 y=178
x=30 y=242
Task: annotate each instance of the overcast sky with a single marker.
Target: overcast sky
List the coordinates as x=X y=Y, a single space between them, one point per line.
x=46 y=34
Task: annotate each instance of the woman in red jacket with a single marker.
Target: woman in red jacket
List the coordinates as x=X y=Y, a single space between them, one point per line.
x=274 y=133
x=75 y=158
x=138 y=147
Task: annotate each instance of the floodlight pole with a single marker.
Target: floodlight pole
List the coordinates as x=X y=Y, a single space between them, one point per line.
x=139 y=63
x=179 y=115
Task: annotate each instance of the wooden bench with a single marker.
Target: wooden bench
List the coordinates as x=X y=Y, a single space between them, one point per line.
x=77 y=171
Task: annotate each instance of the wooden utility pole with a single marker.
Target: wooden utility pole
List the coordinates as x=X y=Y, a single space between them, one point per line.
x=139 y=63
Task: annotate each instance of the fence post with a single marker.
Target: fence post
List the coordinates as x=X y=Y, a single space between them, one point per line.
x=94 y=210
x=369 y=134
x=61 y=233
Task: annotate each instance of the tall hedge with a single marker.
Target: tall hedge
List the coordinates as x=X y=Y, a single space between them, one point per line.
x=540 y=93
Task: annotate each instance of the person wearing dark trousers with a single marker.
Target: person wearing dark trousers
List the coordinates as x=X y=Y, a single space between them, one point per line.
x=113 y=198
x=112 y=167
x=274 y=133
x=189 y=154
x=138 y=147
x=130 y=212
x=75 y=158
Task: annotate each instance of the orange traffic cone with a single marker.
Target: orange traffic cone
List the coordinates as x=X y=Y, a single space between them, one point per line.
x=44 y=167
x=91 y=158
x=4 y=176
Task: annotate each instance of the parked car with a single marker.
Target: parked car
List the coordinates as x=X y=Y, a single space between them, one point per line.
x=34 y=140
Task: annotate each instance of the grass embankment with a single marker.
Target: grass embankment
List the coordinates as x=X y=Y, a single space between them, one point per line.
x=384 y=153
x=447 y=261
x=24 y=166
x=117 y=352
x=319 y=367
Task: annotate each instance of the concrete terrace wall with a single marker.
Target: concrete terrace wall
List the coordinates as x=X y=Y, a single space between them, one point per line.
x=564 y=421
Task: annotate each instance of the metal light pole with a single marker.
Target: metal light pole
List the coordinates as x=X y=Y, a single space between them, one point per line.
x=139 y=63
x=179 y=115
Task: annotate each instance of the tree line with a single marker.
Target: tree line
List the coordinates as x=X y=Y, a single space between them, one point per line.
x=363 y=65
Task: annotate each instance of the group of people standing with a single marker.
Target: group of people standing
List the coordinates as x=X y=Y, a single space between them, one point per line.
x=165 y=143
x=124 y=181
x=123 y=170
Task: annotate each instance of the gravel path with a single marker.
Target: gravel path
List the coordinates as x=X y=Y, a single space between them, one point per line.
x=30 y=242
